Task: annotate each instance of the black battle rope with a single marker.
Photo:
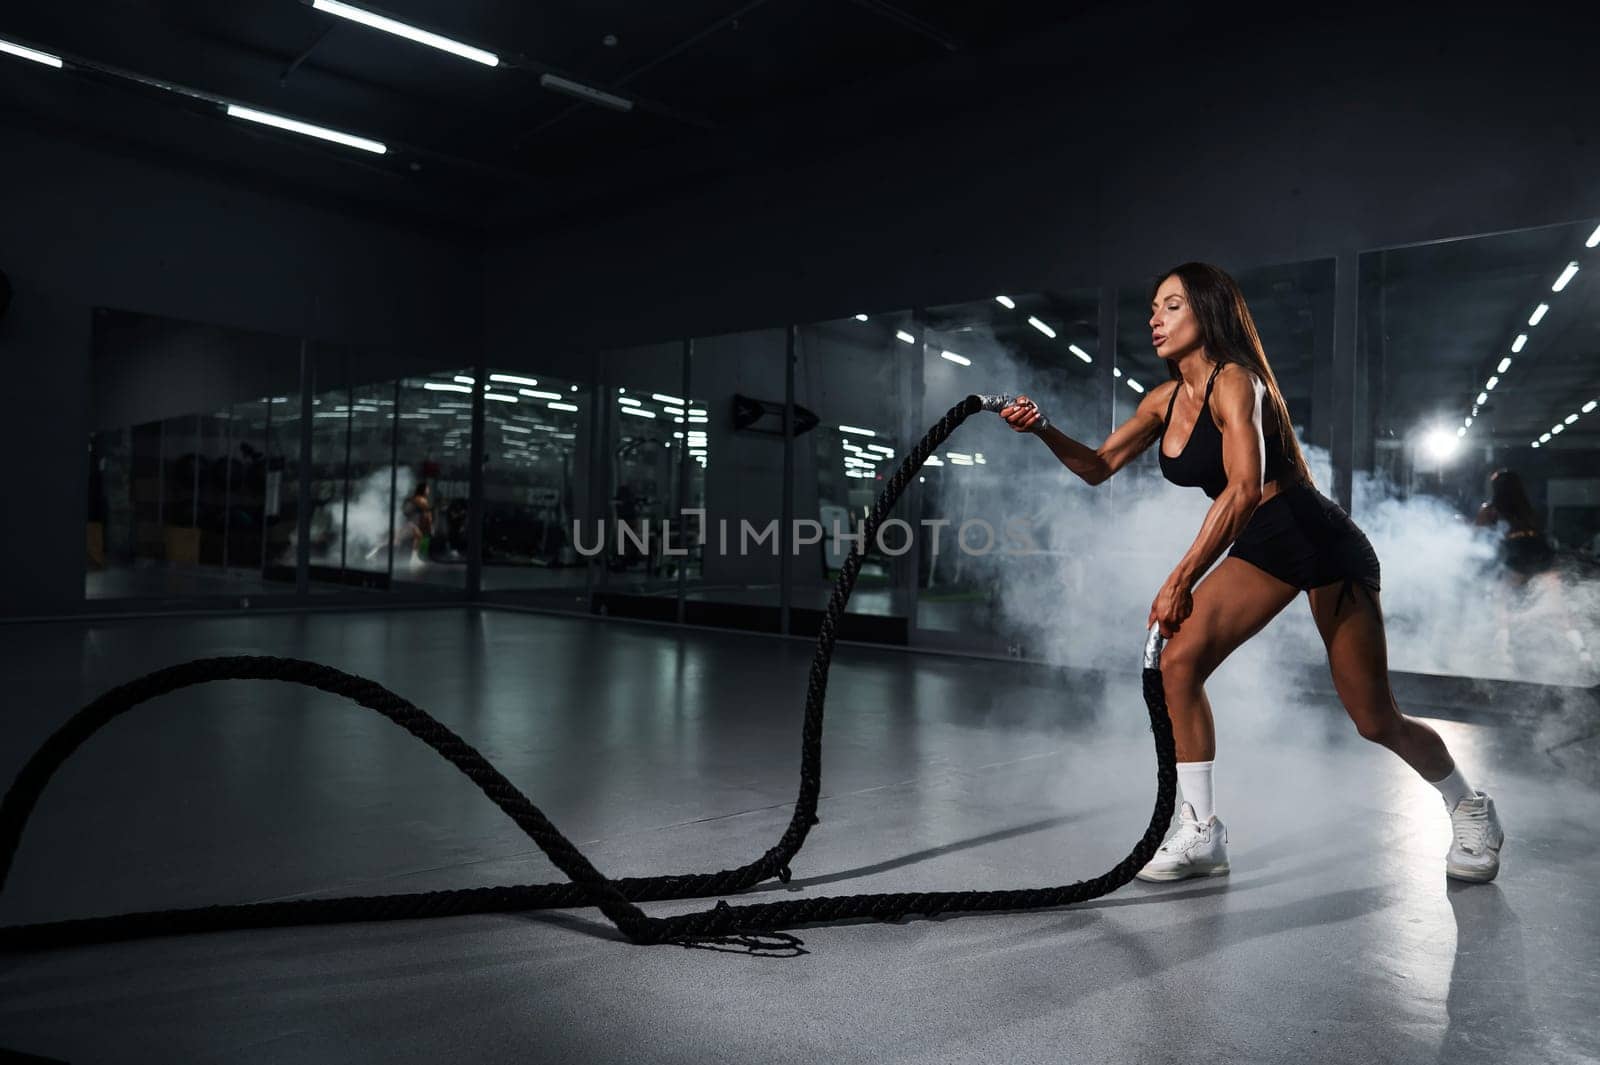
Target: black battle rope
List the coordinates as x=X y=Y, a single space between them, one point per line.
x=720 y=927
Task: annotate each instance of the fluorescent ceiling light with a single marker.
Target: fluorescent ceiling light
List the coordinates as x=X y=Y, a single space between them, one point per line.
x=1557 y=430
x=502 y=398
x=1462 y=431
x=695 y=413
x=934 y=460
x=1136 y=386
x=1488 y=386
x=670 y=409
x=1519 y=343
x=516 y=428
x=585 y=92
x=1536 y=443
x=636 y=412
x=861 y=317
x=857 y=432
x=1594 y=238
x=1544 y=438
x=1538 y=314
x=250 y=114
x=28 y=53
x=1116 y=371
x=562 y=406
x=1505 y=364
x=957 y=456
x=1041 y=327
x=1566 y=275
x=1006 y=302
x=532 y=393
x=462 y=379
x=663 y=398
x=1467 y=423
x=1569 y=419
x=440 y=386
x=629 y=401
x=1483 y=397
x=410 y=33
x=1589 y=406
x=904 y=337
x=1079 y=352
x=959 y=360
x=508 y=379
x=890 y=450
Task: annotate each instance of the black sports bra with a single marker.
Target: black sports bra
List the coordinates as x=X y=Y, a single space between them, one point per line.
x=1199 y=464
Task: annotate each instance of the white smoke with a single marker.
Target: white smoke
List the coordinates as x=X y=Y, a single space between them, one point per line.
x=360 y=535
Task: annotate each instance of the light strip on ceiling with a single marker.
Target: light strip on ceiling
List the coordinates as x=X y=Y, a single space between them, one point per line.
x=1566 y=275
x=28 y=53
x=293 y=125
x=410 y=33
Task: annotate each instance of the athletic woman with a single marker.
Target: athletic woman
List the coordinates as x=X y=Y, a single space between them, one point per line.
x=1222 y=426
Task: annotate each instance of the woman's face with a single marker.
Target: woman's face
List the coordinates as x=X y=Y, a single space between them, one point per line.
x=1174 y=331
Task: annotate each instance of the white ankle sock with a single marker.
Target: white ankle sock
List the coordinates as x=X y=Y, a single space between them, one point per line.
x=1195 y=780
x=1454 y=788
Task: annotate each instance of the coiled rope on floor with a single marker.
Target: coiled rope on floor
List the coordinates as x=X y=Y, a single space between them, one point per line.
x=723 y=925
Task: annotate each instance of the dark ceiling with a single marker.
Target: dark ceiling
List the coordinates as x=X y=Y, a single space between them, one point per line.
x=717 y=84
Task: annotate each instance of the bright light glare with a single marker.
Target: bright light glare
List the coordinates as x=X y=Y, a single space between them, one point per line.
x=636 y=412
x=562 y=406
x=250 y=114
x=959 y=360
x=1462 y=431
x=861 y=317
x=857 y=432
x=1566 y=275
x=1544 y=438
x=1594 y=238
x=1569 y=419
x=1080 y=353
x=508 y=379
x=1538 y=314
x=410 y=33
x=533 y=393
x=1483 y=397
x=440 y=386
x=1589 y=406
x=1008 y=304
x=1136 y=386
x=1488 y=386
x=45 y=57
x=904 y=337
x=1505 y=364
x=500 y=397
x=629 y=401
x=1041 y=327
x=1440 y=444
x=662 y=397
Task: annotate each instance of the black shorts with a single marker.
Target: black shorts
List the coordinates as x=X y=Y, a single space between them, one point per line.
x=1303 y=538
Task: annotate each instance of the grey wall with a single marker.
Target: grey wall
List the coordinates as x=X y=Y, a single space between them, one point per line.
x=82 y=228
x=1129 y=141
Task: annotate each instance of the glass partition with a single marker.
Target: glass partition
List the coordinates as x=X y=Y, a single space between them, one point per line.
x=727 y=460
x=997 y=507
x=535 y=457
x=1476 y=476
x=858 y=378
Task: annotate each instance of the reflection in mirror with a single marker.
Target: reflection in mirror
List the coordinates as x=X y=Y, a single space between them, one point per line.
x=195 y=428
x=1478 y=475
x=1004 y=498
x=533 y=486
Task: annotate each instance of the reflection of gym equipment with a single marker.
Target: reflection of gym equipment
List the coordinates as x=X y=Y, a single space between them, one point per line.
x=766 y=416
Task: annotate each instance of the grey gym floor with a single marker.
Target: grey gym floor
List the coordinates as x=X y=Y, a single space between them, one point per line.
x=657 y=749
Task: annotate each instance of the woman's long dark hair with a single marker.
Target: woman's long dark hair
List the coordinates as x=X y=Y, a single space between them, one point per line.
x=1510 y=500
x=1229 y=335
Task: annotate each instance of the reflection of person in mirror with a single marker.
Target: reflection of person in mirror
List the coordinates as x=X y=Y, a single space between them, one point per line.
x=1528 y=559
x=1221 y=425
x=416 y=525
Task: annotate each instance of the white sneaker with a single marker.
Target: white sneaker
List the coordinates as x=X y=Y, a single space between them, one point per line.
x=1475 y=854
x=1196 y=849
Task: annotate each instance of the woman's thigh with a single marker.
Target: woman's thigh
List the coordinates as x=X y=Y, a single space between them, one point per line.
x=1233 y=603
